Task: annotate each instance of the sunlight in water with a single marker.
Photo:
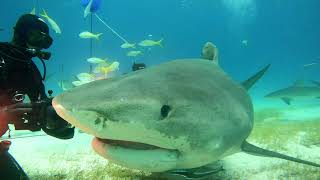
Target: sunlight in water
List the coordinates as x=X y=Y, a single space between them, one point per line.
x=242 y=8
x=185 y=4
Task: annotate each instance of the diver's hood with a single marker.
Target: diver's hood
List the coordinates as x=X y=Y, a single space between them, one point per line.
x=33 y=30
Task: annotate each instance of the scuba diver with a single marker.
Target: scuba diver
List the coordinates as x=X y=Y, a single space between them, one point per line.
x=20 y=77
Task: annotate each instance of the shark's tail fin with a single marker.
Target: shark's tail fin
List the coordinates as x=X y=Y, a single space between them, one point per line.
x=257 y=151
x=316 y=83
x=98 y=36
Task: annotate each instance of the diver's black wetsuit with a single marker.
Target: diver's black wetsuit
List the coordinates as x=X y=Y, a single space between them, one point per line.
x=19 y=72
x=19 y=75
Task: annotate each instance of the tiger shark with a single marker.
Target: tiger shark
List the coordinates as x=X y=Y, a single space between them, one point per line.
x=296 y=91
x=181 y=114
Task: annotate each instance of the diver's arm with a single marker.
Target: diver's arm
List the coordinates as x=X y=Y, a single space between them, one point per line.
x=51 y=123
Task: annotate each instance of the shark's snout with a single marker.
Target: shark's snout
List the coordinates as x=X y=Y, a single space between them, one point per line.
x=67 y=115
x=61 y=111
x=119 y=143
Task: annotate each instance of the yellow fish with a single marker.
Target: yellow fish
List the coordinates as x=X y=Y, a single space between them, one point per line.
x=87 y=9
x=86 y=77
x=107 y=69
x=88 y=35
x=134 y=53
x=128 y=45
x=95 y=60
x=149 y=43
x=52 y=23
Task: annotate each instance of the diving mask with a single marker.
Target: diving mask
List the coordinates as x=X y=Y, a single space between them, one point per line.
x=38 y=39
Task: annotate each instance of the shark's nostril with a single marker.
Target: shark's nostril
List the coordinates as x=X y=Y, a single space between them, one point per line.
x=165 y=109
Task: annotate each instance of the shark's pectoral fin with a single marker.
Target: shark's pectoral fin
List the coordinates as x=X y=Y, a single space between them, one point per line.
x=253 y=79
x=257 y=151
x=286 y=100
x=195 y=173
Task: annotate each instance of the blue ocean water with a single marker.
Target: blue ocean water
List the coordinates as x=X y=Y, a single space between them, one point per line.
x=284 y=33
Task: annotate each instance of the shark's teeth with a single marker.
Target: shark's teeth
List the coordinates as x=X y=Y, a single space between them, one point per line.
x=129 y=144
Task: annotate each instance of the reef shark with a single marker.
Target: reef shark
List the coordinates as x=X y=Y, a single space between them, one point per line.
x=178 y=115
x=297 y=91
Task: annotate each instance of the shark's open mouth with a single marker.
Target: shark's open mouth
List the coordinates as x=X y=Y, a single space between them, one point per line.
x=129 y=144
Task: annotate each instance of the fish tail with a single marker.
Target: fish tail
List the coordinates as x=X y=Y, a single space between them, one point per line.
x=44 y=14
x=160 y=42
x=98 y=36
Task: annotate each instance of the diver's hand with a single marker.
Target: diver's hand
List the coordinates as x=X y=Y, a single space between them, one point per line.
x=15 y=112
x=11 y=114
x=17 y=109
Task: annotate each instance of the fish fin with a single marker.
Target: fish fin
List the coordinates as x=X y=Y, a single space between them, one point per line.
x=44 y=14
x=160 y=42
x=257 y=151
x=33 y=11
x=253 y=79
x=98 y=36
x=316 y=83
x=286 y=100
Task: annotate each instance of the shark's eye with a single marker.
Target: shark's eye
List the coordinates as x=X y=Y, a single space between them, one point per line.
x=165 y=109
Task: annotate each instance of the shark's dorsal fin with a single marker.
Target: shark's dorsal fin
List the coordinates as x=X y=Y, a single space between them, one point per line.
x=298 y=83
x=257 y=151
x=316 y=83
x=253 y=79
